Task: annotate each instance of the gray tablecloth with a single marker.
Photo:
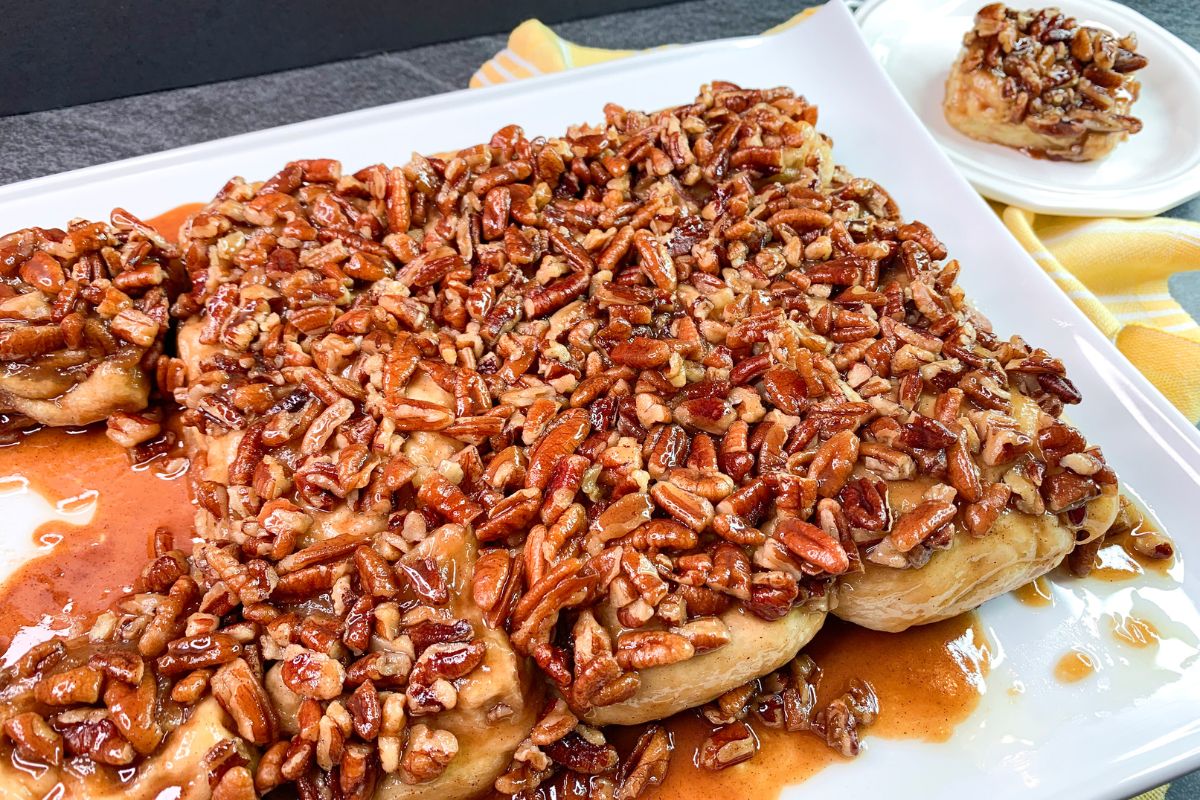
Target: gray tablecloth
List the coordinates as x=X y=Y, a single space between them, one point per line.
x=52 y=141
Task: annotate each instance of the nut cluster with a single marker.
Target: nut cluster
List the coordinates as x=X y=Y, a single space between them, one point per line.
x=73 y=301
x=658 y=369
x=1061 y=78
x=785 y=700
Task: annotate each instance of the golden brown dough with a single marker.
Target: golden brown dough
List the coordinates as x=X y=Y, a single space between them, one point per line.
x=116 y=384
x=757 y=648
x=1019 y=548
x=971 y=571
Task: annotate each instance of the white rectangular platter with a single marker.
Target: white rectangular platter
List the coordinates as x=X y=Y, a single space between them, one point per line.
x=1135 y=723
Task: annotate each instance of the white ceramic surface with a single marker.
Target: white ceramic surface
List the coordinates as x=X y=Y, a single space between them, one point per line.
x=1134 y=724
x=916 y=42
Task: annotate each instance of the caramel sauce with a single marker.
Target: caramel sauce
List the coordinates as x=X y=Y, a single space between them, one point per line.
x=168 y=222
x=1134 y=631
x=1075 y=665
x=1119 y=561
x=84 y=568
x=1037 y=593
x=1114 y=563
x=928 y=680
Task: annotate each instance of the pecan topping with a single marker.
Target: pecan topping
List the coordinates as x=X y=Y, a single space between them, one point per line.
x=1067 y=91
x=728 y=745
x=242 y=695
x=920 y=523
x=36 y=740
x=85 y=305
x=654 y=371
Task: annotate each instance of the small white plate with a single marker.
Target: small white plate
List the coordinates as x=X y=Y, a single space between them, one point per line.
x=916 y=42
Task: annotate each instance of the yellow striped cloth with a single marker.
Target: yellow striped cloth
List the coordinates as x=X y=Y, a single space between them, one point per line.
x=1116 y=271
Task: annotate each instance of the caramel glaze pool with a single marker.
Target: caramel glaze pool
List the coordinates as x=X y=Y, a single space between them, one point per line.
x=84 y=568
x=928 y=680
x=87 y=567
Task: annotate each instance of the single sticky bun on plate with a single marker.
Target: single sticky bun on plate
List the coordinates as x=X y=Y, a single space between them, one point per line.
x=494 y=449
x=1044 y=84
x=83 y=313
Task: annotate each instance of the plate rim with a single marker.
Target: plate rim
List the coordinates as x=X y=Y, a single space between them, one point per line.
x=1151 y=200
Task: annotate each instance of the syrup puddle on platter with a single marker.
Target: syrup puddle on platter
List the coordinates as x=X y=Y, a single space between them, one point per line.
x=1134 y=632
x=1068 y=650
x=1036 y=594
x=1132 y=625
x=1078 y=663
x=1128 y=603
x=92 y=517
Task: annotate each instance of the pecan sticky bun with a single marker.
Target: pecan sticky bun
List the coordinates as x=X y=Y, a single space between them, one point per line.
x=83 y=313
x=494 y=448
x=1042 y=83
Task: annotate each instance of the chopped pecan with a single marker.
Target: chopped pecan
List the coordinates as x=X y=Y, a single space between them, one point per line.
x=728 y=745
x=447 y=499
x=510 y=516
x=1065 y=491
x=978 y=518
x=644 y=649
x=625 y=515
x=812 y=545
x=241 y=694
x=581 y=755
x=688 y=508
x=428 y=754
x=833 y=462
x=920 y=523
x=35 y=739
x=80 y=685
x=134 y=711
x=98 y=738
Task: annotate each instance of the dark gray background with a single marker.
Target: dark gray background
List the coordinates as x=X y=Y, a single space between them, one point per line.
x=46 y=142
x=216 y=40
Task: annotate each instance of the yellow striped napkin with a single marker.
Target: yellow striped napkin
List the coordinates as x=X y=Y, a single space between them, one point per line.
x=1116 y=271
